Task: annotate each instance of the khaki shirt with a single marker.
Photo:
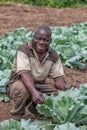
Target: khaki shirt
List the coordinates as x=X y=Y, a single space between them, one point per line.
x=26 y=59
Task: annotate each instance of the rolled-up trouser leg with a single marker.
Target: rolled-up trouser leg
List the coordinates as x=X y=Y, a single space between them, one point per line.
x=19 y=96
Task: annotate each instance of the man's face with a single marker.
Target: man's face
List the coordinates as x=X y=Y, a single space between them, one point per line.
x=41 y=41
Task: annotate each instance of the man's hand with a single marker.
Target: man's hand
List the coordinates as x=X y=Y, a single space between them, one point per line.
x=60 y=83
x=62 y=88
x=37 y=97
x=66 y=87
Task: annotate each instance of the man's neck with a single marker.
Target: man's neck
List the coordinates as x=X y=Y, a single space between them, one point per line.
x=41 y=56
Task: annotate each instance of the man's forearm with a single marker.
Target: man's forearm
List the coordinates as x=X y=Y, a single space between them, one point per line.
x=28 y=82
x=37 y=97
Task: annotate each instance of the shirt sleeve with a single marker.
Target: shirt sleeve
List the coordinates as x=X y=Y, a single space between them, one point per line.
x=22 y=62
x=57 y=69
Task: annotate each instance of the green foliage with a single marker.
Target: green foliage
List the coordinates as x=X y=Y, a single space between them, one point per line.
x=69 y=42
x=68 y=111
x=25 y=125
x=37 y=125
x=9 y=42
x=55 y=3
x=10 y=125
x=68 y=106
x=49 y=3
x=62 y=3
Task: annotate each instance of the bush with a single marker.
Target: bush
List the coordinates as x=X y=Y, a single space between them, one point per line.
x=50 y=3
x=55 y=3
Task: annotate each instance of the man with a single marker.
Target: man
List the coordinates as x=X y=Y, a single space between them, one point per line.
x=37 y=69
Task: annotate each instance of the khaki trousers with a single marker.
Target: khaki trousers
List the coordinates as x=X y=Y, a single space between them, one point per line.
x=21 y=97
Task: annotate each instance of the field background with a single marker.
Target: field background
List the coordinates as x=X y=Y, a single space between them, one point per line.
x=19 y=15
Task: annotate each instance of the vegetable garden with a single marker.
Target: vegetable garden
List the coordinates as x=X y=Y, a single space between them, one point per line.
x=71 y=44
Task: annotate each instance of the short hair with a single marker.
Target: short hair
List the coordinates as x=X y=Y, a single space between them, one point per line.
x=44 y=27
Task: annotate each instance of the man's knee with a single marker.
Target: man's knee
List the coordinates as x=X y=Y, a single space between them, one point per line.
x=18 y=90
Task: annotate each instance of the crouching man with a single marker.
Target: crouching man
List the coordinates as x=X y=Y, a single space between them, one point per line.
x=37 y=69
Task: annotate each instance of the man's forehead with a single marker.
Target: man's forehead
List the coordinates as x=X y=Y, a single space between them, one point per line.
x=42 y=32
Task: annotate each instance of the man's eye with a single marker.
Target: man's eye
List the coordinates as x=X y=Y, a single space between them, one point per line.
x=45 y=40
x=37 y=38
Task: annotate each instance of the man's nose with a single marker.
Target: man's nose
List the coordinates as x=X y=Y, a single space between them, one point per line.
x=41 y=41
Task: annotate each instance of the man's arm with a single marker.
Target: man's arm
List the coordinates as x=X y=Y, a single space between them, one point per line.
x=28 y=81
x=60 y=83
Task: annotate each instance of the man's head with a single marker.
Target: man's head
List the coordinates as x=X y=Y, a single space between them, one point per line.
x=42 y=39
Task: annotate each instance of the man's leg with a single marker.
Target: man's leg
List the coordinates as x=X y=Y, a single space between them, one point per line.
x=19 y=95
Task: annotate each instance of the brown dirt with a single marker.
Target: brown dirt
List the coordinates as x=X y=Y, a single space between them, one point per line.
x=18 y=15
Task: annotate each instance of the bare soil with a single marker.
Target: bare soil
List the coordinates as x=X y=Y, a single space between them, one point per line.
x=18 y=15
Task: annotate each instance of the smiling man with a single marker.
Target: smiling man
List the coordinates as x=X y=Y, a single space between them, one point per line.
x=37 y=69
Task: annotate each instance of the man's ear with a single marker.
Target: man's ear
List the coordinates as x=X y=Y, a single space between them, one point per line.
x=33 y=36
x=50 y=40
